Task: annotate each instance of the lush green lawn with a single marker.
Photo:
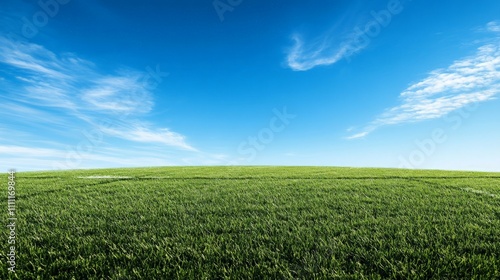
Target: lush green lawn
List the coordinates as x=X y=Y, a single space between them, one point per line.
x=255 y=223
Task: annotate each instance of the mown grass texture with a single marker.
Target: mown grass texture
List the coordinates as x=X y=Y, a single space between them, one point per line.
x=255 y=223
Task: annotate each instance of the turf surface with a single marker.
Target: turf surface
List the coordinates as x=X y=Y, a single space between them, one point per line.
x=255 y=223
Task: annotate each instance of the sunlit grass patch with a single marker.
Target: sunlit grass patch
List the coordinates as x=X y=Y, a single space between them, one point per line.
x=257 y=223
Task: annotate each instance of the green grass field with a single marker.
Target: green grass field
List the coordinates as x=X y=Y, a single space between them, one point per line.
x=255 y=223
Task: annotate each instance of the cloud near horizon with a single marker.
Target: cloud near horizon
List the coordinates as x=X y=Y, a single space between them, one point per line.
x=74 y=89
x=470 y=80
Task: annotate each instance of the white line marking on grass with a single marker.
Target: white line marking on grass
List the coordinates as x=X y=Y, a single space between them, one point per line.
x=478 y=192
x=122 y=177
x=105 y=177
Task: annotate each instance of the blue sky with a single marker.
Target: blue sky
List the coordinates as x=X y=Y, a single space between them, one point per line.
x=92 y=84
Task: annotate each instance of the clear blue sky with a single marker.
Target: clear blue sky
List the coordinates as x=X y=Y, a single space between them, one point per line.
x=91 y=84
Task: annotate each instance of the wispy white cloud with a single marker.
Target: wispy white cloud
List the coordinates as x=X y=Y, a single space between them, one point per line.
x=361 y=134
x=338 y=42
x=67 y=81
x=302 y=58
x=142 y=133
x=75 y=88
x=30 y=151
x=35 y=59
x=29 y=158
x=23 y=113
x=493 y=26
x=466 y=81
x=120 y=94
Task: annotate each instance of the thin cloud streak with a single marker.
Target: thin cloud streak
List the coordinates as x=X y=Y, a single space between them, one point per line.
x=141 y=133
x=337 y=44
x=470 y=80
x=120 y=94
x=40 y=78
x=29 y=158
x=493 y=26
x=301 y=58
